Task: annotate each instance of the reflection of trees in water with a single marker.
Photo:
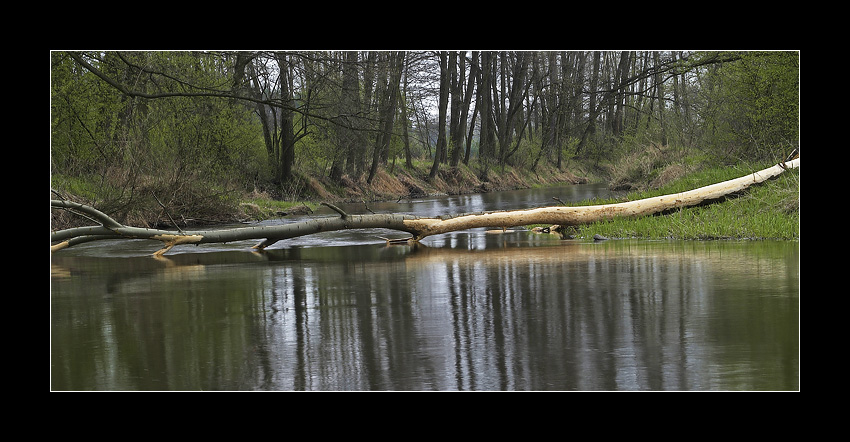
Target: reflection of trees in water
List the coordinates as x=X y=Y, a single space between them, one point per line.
x=465 y=312
x=570 y=316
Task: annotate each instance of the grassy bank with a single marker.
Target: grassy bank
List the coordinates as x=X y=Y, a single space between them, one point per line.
x=767 y=211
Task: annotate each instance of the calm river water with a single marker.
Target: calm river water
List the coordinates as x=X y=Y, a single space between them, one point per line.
x=463 y=311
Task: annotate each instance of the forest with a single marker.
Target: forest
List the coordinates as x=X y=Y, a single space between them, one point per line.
x=192 y=134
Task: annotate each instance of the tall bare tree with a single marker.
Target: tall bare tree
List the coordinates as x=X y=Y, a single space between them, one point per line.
x=440 y=152
x=389 y=101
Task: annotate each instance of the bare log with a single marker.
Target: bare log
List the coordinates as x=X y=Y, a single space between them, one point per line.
x=417 y=227
x=111 y=229
x=572 y=216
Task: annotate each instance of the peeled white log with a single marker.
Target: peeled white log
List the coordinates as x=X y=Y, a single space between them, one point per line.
x=571 y=216
x=418 y=227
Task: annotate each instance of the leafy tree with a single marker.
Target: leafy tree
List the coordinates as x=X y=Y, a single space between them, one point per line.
x=762 y=94
x=128 y=153
x=747 y=106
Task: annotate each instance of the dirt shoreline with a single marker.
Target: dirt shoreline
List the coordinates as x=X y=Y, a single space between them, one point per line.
x=398 y=185
x=403 y=183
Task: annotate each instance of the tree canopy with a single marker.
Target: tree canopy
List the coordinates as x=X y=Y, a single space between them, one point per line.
x=195 y=128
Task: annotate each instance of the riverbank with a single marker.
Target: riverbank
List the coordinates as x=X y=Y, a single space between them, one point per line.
x=769 y=211
x=157 y=204
x=399 y=183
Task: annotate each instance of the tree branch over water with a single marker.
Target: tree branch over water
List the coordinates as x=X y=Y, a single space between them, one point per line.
x=417 y=227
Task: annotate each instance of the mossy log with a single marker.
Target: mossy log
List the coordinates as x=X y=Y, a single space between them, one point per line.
x=417 y=227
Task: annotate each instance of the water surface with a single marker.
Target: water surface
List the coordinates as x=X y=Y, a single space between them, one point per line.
x=462 y=311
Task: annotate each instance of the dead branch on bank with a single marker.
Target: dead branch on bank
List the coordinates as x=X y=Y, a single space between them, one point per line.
x=417 y=227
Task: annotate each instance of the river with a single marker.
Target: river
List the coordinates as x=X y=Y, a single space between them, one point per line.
x=476 y=311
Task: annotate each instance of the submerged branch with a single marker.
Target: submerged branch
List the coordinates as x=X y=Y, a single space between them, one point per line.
x=418 y=227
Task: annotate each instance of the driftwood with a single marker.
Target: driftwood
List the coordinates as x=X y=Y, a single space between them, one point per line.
x=417 y=227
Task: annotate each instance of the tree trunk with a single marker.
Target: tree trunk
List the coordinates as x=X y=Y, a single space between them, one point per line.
x=514 y=92
x=592 y=107
x=268 y=122
x=440 y=151
x=287 y=137
x=474 y=72
x=418 y=227
x=659 y=88
x=486 y=143
x=350 y=144
x=396 y=65
x=459 y=112
x=621 y=75
x=408 y=159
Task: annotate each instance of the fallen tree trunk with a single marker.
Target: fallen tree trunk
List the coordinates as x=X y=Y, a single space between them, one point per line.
x=417 y=227
x=577 y=215
x=110 y=229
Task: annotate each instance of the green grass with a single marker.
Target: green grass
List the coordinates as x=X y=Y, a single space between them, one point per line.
x=766 y=211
